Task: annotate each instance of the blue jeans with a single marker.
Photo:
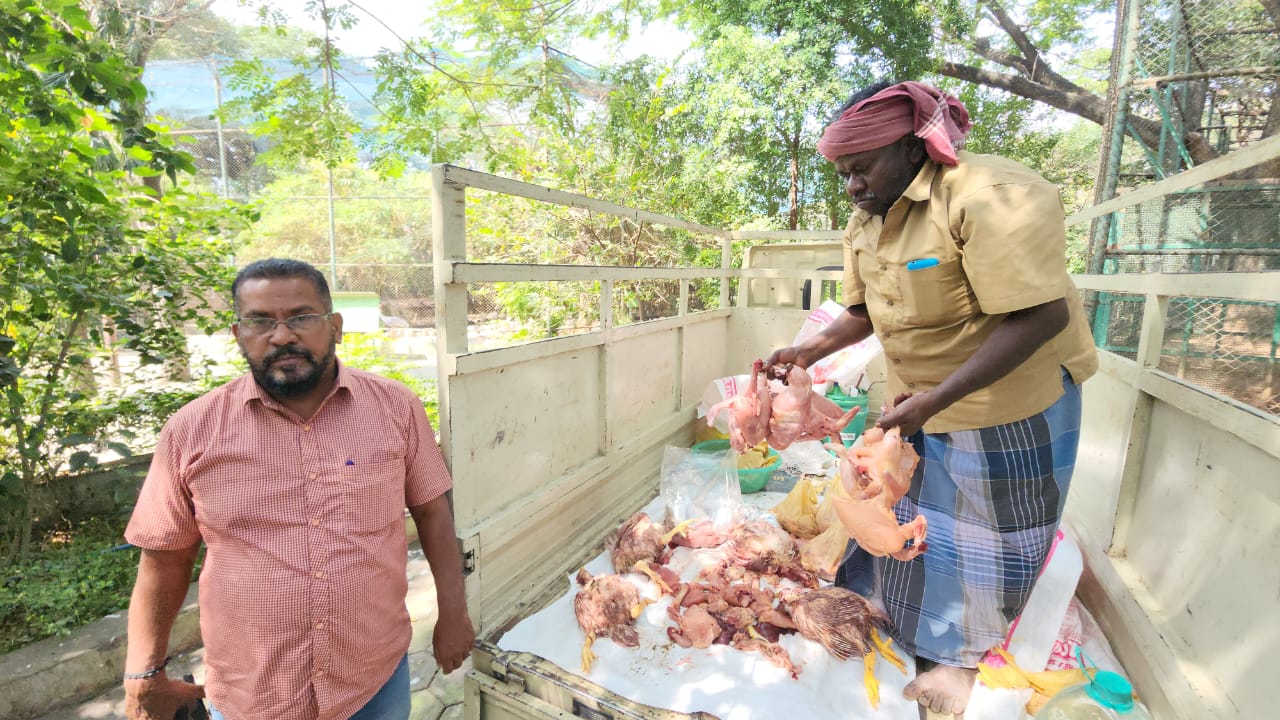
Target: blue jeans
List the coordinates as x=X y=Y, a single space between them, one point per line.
x=389 y=703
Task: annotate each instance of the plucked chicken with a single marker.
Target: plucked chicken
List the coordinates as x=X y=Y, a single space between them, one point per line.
x=799 y=413
x=749 y=411
x=606 y=606
x=872 y=480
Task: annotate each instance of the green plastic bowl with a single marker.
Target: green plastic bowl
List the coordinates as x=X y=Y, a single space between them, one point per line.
x=846 y=403
x=749 y=479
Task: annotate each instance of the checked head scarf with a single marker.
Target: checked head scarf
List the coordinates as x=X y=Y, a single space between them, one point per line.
x=908 y=107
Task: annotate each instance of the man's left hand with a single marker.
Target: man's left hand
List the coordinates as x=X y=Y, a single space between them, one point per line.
x=452 y=641
x=909 y=414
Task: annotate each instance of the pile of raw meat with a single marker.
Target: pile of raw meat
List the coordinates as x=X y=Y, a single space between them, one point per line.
x=758 y=592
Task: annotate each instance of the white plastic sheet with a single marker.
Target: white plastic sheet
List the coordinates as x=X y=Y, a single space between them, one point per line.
x=729 y=683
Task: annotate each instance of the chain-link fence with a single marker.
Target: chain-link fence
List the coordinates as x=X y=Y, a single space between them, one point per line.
x=1195 y=80
x=1228 y=346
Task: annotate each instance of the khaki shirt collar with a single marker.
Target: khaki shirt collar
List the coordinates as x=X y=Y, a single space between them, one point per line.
x=917 y=191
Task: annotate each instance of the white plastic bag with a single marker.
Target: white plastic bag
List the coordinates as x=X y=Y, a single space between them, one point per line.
x=1034 y=634
x=716 y=392
x=700 y=485
x=846 y=367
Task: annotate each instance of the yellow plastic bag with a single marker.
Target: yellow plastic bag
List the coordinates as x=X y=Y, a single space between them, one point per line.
x=796 y=511
x=1045 y=683
x=826 y=514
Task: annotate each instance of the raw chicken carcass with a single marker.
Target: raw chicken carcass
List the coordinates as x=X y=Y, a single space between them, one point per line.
x=845 y=623
x=872 y=480
x=639 y=538
x=748 y=411
x=765 y=548
x=799 y=413
x=696 y=534
x=838 y=619
x=886 y=461
x=607 y=605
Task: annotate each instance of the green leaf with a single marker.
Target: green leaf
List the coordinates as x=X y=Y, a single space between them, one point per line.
x=70 y=249
x=82 y=459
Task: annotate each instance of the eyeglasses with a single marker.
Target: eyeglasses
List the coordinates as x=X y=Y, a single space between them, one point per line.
x=266 y=325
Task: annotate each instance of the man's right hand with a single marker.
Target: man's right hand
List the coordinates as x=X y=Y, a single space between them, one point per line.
x=157 y=697
x=781 y=360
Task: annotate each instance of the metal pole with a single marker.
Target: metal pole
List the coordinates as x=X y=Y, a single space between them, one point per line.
x=1127 y=42
x=217 y=120
x=333 y=244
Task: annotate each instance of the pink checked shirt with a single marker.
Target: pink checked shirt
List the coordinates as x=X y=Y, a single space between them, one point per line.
x=302 y=592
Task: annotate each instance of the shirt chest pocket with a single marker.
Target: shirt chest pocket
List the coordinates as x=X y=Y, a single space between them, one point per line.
x=936 y=296
x=372 y=495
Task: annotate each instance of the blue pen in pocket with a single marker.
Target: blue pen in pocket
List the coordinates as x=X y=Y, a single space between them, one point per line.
x=922 y=263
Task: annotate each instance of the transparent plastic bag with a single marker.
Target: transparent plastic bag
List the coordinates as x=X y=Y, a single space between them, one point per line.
x=700 y=485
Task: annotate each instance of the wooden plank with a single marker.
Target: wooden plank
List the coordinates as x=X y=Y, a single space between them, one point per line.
x=507 y=186
x=549 y=498
x=791 y=274
x=726 y=263
x=1150 y=342
x=1259 y=286
x=1117 y=366
x=508 y=356
x=449 y=244
x=789 y=235
x=604 y=433
x=504 y=357
x=1245 y=422
x=1161 y=667
x=465 y=272
x=1255 y=154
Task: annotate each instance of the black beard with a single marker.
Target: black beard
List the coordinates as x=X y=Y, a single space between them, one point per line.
x=291 y=387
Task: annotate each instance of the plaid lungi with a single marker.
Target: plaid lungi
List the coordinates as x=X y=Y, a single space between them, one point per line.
x=993 y=497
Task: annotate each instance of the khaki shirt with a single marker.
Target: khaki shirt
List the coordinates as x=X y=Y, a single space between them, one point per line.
x=997 y=230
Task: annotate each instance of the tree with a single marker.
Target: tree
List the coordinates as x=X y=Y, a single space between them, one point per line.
x=1005 y=46
x=90 y=252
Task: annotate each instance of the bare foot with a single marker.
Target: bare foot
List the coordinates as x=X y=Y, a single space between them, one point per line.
x=942 y=689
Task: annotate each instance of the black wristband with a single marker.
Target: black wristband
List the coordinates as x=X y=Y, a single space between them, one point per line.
x=151 y=672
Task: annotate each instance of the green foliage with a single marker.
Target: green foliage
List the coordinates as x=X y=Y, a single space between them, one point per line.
x=367 y=351
x=74 y=576
x=94 y=257
x=366 y=231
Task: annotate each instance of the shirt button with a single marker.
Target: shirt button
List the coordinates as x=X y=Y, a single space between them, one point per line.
x=889 y=303
x=911 y=385
x=897 y=360
x=317 y=575
x=315 y=522
x=311 y=476
x=320 y=626
x=319 y=673
x=306 y=428
x=884 y=267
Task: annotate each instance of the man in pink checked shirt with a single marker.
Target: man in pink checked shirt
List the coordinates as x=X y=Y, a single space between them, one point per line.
x=295 y=477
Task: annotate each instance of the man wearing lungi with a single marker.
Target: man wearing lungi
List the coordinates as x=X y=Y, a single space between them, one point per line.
x=957 y=262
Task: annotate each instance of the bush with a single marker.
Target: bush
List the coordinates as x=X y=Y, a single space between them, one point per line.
x=74 y=575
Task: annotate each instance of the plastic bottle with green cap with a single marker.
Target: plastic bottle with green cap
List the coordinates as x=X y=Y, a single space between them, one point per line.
x=1107 y=696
